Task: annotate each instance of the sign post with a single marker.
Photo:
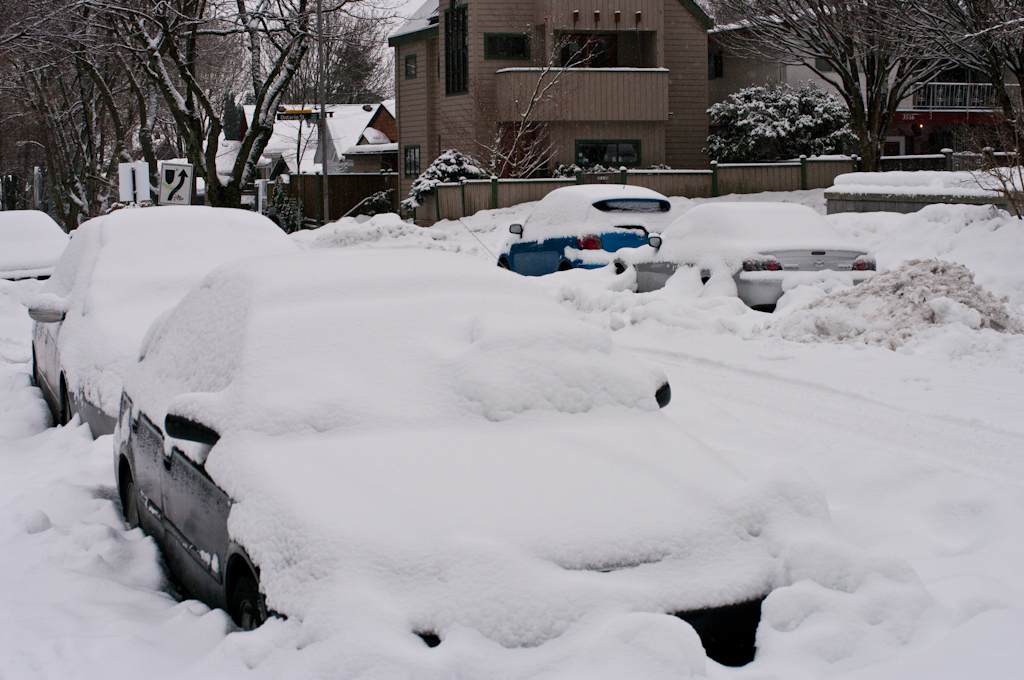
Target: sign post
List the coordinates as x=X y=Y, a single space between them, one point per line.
x=133 y=182
x=176 y=183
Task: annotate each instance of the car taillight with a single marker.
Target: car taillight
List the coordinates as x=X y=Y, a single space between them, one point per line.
x=767 y=264
x=864 y=265
x=589 y=243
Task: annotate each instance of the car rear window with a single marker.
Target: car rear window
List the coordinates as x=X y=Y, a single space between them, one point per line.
x=644 y=205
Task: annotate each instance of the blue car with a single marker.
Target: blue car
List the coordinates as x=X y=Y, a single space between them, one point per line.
x=572 y=220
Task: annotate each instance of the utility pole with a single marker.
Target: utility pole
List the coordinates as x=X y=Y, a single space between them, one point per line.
x=323 y=108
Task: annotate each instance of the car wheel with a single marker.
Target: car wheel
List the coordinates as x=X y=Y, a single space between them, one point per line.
x=564 y=267
x=248 y=609
x=130 y=502
x=503 y=263
x=65 y=403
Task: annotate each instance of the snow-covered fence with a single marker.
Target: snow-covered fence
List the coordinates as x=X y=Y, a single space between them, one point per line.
x=345 y=191
x=460 y=199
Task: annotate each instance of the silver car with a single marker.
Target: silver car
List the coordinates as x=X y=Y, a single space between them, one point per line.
x=764 y=247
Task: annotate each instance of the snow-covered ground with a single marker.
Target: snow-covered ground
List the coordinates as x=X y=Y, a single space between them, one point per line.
x=919 y=451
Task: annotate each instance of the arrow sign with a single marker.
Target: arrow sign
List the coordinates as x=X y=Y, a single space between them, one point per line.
x=175 y=183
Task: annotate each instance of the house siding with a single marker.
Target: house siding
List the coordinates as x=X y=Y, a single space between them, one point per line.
x=686 y=57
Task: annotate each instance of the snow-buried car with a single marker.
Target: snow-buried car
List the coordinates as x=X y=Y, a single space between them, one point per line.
x=412 y=449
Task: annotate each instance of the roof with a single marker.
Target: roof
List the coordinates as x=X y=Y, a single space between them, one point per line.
x=423 y=22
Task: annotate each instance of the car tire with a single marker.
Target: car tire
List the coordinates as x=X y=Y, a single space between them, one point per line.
x=129 y=502
x=65 y=404
x=503 y=263
x=248 y=608
x=565 y=266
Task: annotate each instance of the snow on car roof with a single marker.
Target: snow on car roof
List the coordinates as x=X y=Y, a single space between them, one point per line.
x=30 y=243
x=122 y=270
x=734 y=231
x=367 y=341
x=570 y=211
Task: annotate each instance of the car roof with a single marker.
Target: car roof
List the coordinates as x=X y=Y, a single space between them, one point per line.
x=570 y=211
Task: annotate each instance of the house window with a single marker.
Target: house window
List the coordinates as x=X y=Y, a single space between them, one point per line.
x=412 y=161
x=506 y=46
x=823 y=65
x=456 y=49
x=410 y=66
x=715 y=65
x=608 y=152
x=593 y=50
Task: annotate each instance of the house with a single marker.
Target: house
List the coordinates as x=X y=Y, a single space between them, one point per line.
x=370 y=128
x=629 y=84
x=935 y=116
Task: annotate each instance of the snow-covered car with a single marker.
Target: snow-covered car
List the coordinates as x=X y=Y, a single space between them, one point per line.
x=408 y=442
x=571 y=220
x=760 y=246
x=30 y=244
x=119 y=272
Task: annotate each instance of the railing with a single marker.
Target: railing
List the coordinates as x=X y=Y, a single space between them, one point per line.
x=956 y=96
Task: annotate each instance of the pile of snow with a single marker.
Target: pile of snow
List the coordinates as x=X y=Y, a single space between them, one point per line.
x=30 y=243
x=894 y=306
x=350 y=231
x=918 y=182
x=122 y=270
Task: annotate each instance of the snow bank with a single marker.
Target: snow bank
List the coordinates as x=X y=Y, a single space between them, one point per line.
x=918 y=182
x=896 y=305
x=30 y=243
x=122 y=270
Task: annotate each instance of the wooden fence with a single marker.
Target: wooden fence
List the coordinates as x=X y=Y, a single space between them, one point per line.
x=451 y=201
x=345 y=191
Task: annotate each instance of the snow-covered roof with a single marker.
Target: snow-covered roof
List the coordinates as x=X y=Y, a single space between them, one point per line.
x=390 y=147
x=420 y=20
x=346 y=124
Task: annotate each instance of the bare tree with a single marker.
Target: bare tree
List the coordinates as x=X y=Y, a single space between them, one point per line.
x=860 y=47
x=984 y=35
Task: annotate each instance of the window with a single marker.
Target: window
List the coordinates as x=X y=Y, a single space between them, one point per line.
x=823 y=65
x=608 y=152
x=412 y=162
x=410 y=66
x=715 y=65
x=456 y=49
x=506 y=46
x=592 y=50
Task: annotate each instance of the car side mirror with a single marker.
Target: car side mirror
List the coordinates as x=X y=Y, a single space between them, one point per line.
x=179 y=427
x=516 y=229
x=654 y=240
x=43 y=315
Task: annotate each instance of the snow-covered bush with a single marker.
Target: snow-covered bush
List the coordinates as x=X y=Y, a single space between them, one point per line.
x=778 y=121
x=450 y=166
x=287 y=207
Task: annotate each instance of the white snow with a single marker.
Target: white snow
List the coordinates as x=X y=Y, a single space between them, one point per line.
x=30 y=243
x=122 y=270
x=918 y=182
x=887 y=485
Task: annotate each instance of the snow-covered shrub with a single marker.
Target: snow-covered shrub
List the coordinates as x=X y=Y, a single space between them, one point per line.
x=889 y=309
x=778 y=121
x=376 y=204
x=289 y=210
x=450 y=166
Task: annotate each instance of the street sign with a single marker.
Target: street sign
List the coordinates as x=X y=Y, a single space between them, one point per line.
x=175 y=183
x=133 y=182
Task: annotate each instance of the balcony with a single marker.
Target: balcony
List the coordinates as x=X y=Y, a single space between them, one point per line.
x=956 y=97
x=599 y=94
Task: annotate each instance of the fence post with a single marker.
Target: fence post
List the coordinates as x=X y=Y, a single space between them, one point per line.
x=714 y=178
x=856 y=162
x=803 y=172
x=494 y=192
x=437 y=203
x=462 y=188
x=948 y=153
x=579 y=177
x=622 y=174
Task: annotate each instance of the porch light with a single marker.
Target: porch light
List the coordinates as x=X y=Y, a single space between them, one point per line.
x=618 y=16
x=575 y=17
x=638 y=18
x=597 y=16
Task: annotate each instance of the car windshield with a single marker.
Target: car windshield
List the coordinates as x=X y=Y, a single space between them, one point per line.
x=645 y=205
